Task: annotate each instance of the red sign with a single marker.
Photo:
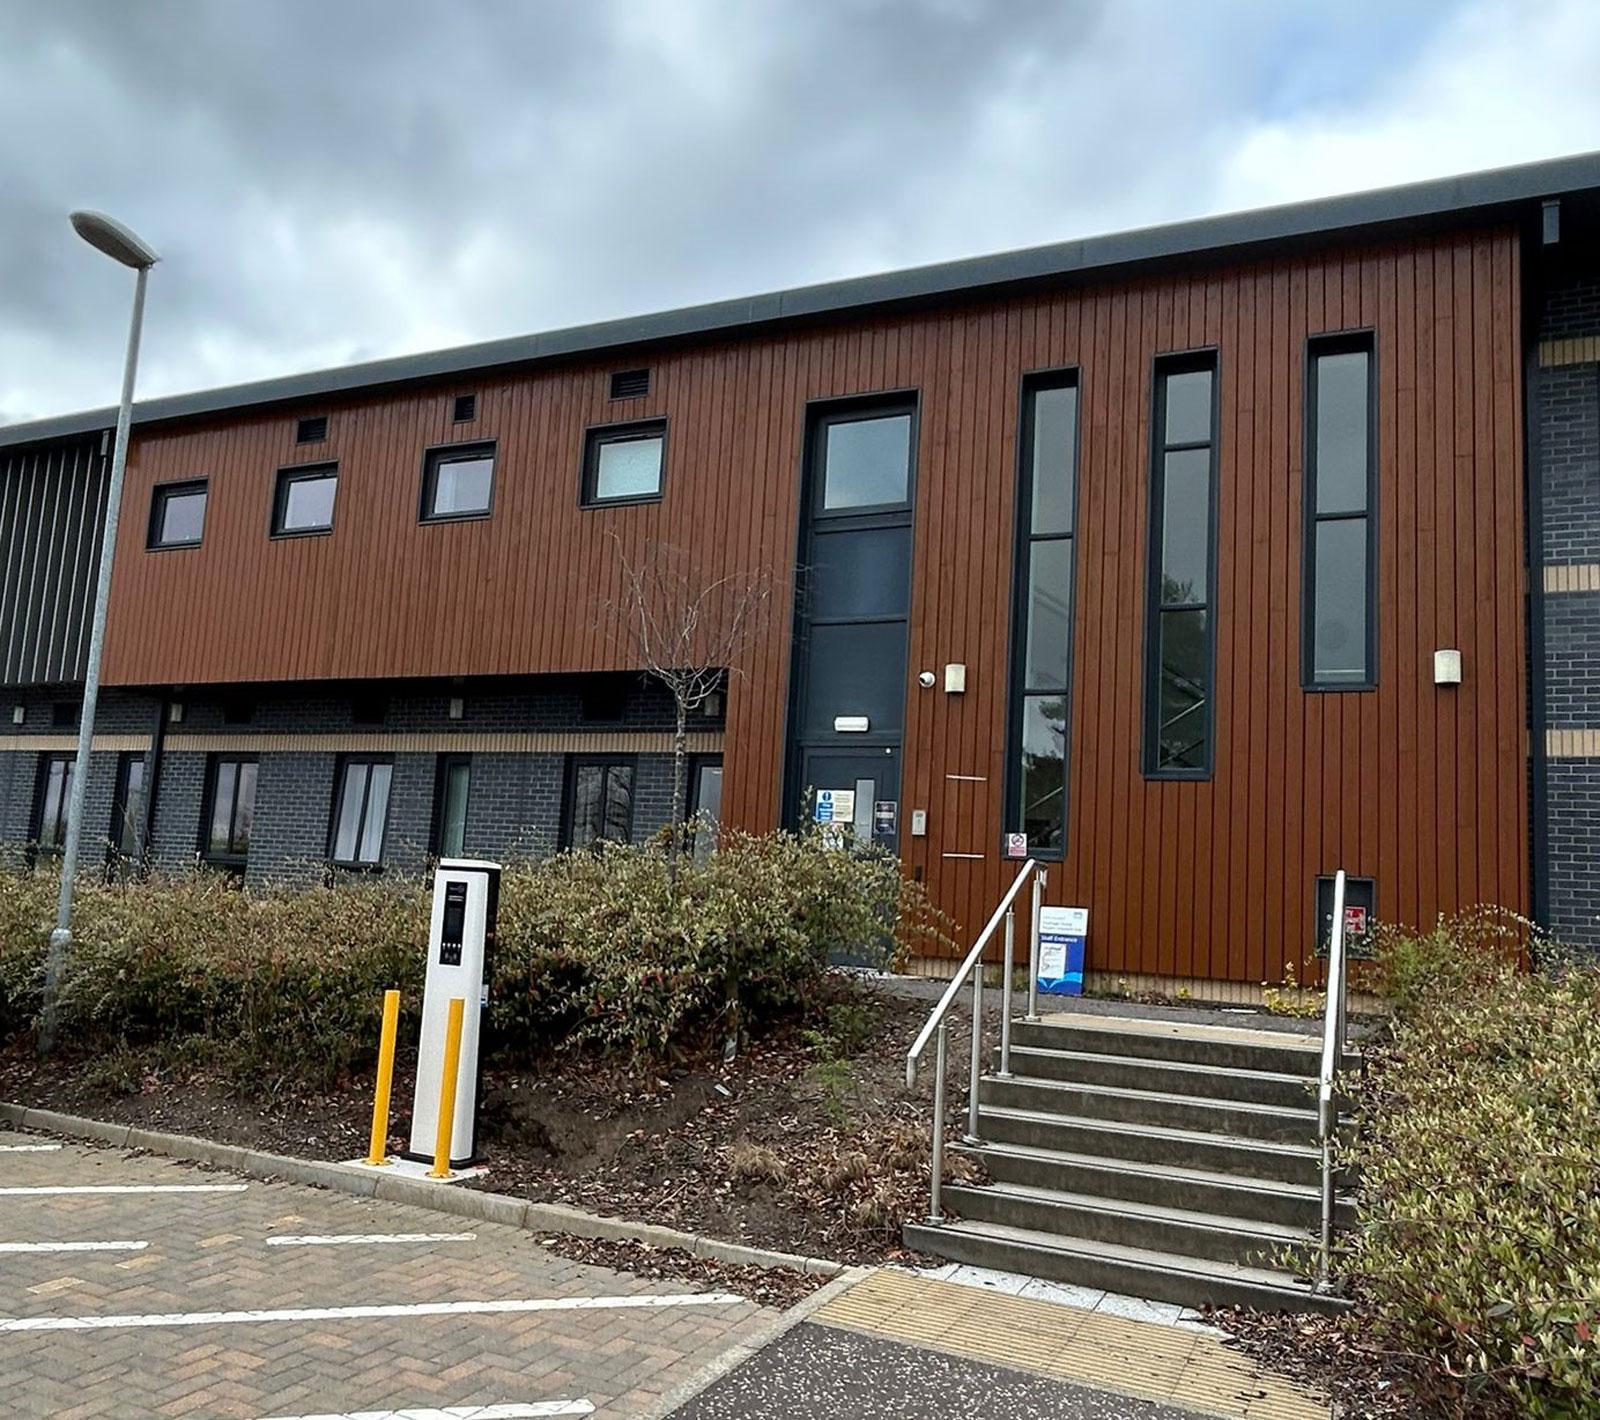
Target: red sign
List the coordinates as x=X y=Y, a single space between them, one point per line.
x=1016 y=845
x=1355 y=921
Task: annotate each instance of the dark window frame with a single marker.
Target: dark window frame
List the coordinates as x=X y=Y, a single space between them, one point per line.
x=286 y=478
x=115 y=852
x=37 y=848
x=1024 y=538
x=443 y=764
x=436 y=456
x=698 y=763
x=1344 y=342
x=208 y=808
x=569 y=798
x=1179 y=362
x=858 y=409
x=597 y=436
x=341 y=776
x=160 y=495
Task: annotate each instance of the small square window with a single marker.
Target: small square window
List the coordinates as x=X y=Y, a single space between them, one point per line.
x=622 y=463
x=603 y=699
x=177 y=514
x=457 y=482
x=630 y=384
x=303 y=502
x=367 y=708
x=466 y=408
x=64 y=714
x=311 y=431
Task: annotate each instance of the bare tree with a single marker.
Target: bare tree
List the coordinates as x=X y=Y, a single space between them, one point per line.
x=688 y=630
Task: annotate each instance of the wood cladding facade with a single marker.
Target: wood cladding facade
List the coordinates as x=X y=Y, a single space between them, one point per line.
x=1421 y=787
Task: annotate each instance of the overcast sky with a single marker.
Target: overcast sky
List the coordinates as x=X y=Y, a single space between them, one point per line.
x=346 y=179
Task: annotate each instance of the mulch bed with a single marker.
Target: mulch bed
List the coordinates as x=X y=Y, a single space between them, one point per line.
x=779 y=1287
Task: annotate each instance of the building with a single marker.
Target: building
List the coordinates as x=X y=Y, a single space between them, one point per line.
x=1213 y=557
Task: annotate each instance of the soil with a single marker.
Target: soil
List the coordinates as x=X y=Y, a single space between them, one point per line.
x=779 y=1287
x=807 y=1142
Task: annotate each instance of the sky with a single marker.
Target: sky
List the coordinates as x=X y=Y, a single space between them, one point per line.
x=345 y=180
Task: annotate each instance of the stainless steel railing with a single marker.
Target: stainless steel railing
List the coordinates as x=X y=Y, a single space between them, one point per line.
x=937 y=1027
x=1333 y=1044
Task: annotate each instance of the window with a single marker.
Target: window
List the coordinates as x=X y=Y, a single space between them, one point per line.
x=454 y=783
x=622 y=462
x=303 y=502
x=64 y=714
x=312 y=430
x=361 y=812
x=866 y=462
x=230 y=810
x=599 y=802
x=465 y=408
x=177 y=514
x=1339 y=638
x=126 y=839
x=705 y=804
x=1178 y=710
x=1036 y=787
x=52 y=796
x=630 y=384
x=457 y=481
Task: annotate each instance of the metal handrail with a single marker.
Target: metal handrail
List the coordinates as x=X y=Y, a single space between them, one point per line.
x=936 y=1022
x=1333 y=1041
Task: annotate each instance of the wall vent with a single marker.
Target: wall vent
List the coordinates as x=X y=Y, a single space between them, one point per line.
x=630 y=384
x=311 y=431
x=466 y=408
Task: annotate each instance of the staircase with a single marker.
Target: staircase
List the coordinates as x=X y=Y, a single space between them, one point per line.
x=1171 y=1161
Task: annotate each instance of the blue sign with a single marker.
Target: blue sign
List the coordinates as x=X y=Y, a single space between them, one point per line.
x=1062 y=934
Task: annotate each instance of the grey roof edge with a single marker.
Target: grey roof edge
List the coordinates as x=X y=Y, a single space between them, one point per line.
x=1219 y=236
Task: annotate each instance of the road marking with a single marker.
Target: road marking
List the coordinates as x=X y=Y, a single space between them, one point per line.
x=73 y=1247
x=537 y=1304
x=127 y=1188
x=28 y=1148
x=460 y=1412
x=335 y=1239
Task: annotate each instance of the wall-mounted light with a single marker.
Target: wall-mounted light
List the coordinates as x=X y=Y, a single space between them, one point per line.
x=458 y=707
x=1447 y=667
x=19 y=713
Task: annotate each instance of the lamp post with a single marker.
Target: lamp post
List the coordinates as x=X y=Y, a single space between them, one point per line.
x=117 y=242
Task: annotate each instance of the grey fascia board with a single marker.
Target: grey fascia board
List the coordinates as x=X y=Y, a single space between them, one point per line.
x=1481 y=194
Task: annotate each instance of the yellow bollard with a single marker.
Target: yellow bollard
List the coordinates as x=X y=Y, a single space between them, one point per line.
x=378 y=1149
x=447 y=1090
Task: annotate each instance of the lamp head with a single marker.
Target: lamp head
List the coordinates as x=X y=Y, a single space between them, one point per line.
x=116 y=241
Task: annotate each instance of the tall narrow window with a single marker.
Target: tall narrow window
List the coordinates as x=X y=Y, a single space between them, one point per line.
x=51 y=797
x=1036 y=785
x=450 y=805
x=230 y=810
x=1178 y=711
x=599 y=801
x=360 y=813
x=126 y=839
x=705 y=805
x=1339 y=639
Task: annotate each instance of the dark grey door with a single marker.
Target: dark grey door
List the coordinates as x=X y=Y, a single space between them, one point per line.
x=850 y=669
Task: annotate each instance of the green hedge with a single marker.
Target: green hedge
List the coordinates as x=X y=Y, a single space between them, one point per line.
x=595 y=949
x=1478 y=1254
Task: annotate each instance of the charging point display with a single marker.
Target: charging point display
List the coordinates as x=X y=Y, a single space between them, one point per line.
x=466 y=898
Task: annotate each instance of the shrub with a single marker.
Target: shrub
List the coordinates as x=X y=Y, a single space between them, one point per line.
x=1479 y=1246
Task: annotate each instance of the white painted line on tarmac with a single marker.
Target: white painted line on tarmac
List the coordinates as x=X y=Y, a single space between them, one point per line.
x=536 y=1304
x=73 y=1247
x=28 y=1148
x=336 y=1239
x=126 y=1188
x=460 y=1412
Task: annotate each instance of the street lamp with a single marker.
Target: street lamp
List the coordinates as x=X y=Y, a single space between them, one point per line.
x=117 y=242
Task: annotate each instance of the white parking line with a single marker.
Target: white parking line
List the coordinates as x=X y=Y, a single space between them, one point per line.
x=73 y=1247
x=28 y=1148
x=461 y=1412
x=127 y=1188
x=536 y=1304
x=335 y=1239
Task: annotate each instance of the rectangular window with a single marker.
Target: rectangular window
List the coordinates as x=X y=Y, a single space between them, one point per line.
x=1178 y=674
x=360 y=813
x=1041 y=673
x=1339 y=636
x=622 y=463
x=230 y=810
x=303 y=502
x=705 y=804
x=451 y=789
x=177 y=514
x=599 y=802
x=126 y=839
x=457 y=482
x=52 y=796
x=866 y=462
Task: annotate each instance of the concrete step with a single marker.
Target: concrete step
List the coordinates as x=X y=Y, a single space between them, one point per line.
x=1137 y=1272
x=1171 y=1077
x=1171 y=1111
x=1290 y=1205
x=1064 y=1133
x=1079 y=1217
x=1223 y=1047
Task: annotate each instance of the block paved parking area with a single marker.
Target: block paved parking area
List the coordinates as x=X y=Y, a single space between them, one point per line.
x=170 y=1290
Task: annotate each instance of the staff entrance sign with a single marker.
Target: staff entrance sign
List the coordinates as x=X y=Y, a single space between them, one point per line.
x=1062 y=934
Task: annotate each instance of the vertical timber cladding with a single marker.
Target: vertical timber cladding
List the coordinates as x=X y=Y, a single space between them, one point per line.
x=1422 y=789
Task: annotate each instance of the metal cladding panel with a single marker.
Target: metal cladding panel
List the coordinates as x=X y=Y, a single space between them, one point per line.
x=52 y=515
x=1422 y=789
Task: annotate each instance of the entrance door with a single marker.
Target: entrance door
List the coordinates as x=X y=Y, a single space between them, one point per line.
x=850 y=651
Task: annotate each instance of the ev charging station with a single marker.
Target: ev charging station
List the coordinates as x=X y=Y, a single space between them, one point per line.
x=466 y=900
